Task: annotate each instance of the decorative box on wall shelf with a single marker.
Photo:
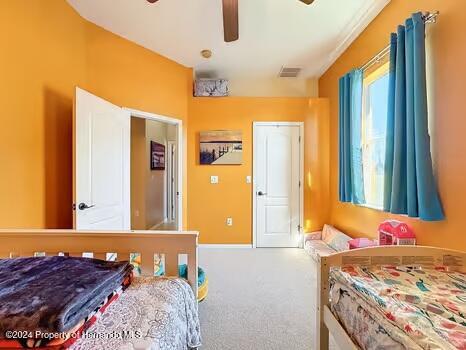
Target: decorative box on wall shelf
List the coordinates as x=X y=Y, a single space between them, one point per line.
x=211 y=88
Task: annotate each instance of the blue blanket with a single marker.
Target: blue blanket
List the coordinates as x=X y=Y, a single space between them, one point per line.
x=53 y=294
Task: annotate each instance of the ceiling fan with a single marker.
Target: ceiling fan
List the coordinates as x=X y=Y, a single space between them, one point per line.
x=230 y=18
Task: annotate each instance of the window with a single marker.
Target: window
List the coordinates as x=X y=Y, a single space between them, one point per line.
x=374 y=125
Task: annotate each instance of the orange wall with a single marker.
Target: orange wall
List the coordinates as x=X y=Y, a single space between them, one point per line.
x=317 y=164
x=138 y=173
x=43 y=45
x=48 y=49
x=449 y=38
x=131 y=76
x=209 y=205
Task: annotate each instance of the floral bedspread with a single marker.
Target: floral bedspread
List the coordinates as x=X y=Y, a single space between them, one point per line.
x=154 y=313
x=416 y=309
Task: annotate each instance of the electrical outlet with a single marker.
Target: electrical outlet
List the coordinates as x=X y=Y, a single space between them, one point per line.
x=229 y=221
x=214 y=179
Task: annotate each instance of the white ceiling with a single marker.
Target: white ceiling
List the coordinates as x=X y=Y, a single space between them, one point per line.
x=273 y=33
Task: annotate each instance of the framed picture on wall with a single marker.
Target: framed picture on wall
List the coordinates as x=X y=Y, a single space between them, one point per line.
x=221 y=147
x=157 y=156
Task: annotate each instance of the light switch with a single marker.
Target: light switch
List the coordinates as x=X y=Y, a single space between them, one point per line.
x=229 y=221
x=248 y=179
x=214 y=179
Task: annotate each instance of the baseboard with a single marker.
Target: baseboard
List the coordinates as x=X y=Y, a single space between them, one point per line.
x=227 y=246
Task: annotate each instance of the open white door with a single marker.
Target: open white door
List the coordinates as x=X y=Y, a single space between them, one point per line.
x=102 y=168
x=277 y=178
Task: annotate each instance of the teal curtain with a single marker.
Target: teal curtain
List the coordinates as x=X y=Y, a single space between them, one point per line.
x=351 y=184
x=409 y=186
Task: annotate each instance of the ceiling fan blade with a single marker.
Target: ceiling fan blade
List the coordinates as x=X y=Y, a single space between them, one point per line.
x=230 y=20
x=307 y=2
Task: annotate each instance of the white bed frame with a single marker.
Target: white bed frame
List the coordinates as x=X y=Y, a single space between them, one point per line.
x=19 y=243
x=389 y=255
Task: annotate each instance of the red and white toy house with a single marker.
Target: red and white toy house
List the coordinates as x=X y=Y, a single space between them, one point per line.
x=393 y=232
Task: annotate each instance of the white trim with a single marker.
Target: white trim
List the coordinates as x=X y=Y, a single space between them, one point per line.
x=301 y=187
x=179 y=124
x=353 y=30
x=277 y=123
x=169 y=174
x=370 y=206
x=225 y=246
x=301 y=175
x=153 y=116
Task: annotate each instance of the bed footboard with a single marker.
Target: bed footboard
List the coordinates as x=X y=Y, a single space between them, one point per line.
x=18 y=243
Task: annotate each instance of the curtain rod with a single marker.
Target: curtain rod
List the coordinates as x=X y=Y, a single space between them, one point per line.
x=429 y=17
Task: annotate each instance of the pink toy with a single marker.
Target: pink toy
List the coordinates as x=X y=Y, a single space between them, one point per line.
x=393 y=232
x=361 y=243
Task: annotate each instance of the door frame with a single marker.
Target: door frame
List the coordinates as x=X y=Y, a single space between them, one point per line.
x=179 y=144
x=169 y=174
x=255 y=125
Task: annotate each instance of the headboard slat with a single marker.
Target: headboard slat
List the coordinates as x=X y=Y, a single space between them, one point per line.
x=171 y=264
x=147 y=263
x=101 y=256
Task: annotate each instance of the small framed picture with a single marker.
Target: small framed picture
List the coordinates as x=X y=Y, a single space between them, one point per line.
x=157 y=156
x=221 y=147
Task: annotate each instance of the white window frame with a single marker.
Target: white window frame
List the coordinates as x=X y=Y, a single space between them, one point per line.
x=378 y=73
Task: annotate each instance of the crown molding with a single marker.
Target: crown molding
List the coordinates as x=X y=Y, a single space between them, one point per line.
x=356 y=27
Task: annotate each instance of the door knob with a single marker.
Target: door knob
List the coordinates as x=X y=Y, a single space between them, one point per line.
x=260 y=193
x=83 y=206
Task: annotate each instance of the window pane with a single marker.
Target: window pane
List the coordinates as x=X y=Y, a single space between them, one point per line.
x=374 y=130
x=378 y=91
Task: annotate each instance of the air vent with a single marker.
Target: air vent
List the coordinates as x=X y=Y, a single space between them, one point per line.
x=289 y=72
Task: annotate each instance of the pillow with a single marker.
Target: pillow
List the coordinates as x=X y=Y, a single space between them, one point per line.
x=317 y=249
x=335 y=238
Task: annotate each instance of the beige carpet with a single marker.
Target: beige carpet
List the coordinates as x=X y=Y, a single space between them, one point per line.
x=258 y=299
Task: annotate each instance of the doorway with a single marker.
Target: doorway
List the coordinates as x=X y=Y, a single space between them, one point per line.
x=153 y=174
x=103 y=167
x=278 y=165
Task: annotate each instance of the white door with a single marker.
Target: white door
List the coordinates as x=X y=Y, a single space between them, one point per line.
x=277 y=174
x=102 y=171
